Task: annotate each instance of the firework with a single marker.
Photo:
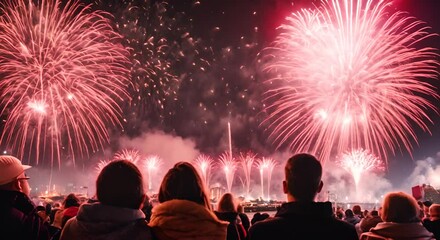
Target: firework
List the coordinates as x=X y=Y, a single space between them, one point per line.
x=152 y=163
x=360 y=161
x=267 y=164
x=101 y=164
x=131 y=155
x=161 y=43
x=204 y=164
x=247 y=161
x=63 y=72
x=347 y=76
x=229 y=166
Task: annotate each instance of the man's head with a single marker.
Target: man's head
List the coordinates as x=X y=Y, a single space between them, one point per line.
x=302 y=177
x=12 y=175
x=434 y=211
x=120 y=184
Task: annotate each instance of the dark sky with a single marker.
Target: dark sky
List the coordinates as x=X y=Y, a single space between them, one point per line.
x=213 y=49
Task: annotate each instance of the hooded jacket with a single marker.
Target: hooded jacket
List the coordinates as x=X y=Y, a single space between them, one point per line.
x=184 y=220
x=98 y=221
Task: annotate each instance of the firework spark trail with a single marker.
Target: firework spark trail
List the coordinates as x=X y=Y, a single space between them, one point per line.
x=229 y=166
x=204 y=164
x=348 y=78
x=152 y=163
x=101 y=164
x=265 y=164
x=63 y=73
x=131 y=155
x=359 y=161
x=247 y=161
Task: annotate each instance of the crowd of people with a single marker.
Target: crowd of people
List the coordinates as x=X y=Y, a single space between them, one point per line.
x=121 y=209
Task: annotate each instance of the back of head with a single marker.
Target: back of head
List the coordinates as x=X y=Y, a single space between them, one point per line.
x=399 y=207
x=349 y=213
x=357 y=209
x=303 y=176
x=120 y=184
x=374 y=213
x=71 y=200
x=227 y=203
x=183 y=182
x=434 y=211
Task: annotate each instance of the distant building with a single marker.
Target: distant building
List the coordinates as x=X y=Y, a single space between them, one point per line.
x=426 y=192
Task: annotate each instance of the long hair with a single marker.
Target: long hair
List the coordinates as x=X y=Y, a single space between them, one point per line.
x=183 y=182
x=227 y=203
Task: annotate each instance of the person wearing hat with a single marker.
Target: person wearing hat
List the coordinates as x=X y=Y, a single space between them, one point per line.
x=18 y=214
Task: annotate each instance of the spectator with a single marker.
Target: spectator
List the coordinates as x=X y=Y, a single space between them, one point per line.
x=425 y=208
x=70 y=207
x=433 y=223
x=370 y=221
x=400 y=215
x=357 y=211
x=301 y=217
x=118 y=215
x=244 y=218
x=18 y=214
x=259 y=217
x=351 y=218
x=184 y=210
x=227 y=211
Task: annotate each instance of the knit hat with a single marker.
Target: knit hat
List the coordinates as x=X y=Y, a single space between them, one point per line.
x=10 y=168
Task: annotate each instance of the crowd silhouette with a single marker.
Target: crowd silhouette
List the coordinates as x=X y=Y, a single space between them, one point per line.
x=121 y=209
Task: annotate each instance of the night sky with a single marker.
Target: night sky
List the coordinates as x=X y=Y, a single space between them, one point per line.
x=207 y=75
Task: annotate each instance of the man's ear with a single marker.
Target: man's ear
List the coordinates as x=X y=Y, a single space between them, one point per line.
x=17 y=185
x=285 y=189
x=321 y=184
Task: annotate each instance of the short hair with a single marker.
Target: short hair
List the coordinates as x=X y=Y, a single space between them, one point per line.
x=303 y=176
x=120 y=184
x=434 y=210
x=183 y=182
x=357 y=209
x=227 y=203
x=374 y=213
x=400 y=207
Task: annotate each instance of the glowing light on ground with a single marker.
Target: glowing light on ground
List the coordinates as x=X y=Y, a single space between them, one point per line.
x=349 y=75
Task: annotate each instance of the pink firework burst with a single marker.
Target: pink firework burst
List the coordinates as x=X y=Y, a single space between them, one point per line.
x=359 y=161
x=152 y=164
x=247 y=162
x=204 y=164
x=348 y=75
x=229 y=165
x=132 y=155
x=266 y=165
x=63 y=72
x=101 y=164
